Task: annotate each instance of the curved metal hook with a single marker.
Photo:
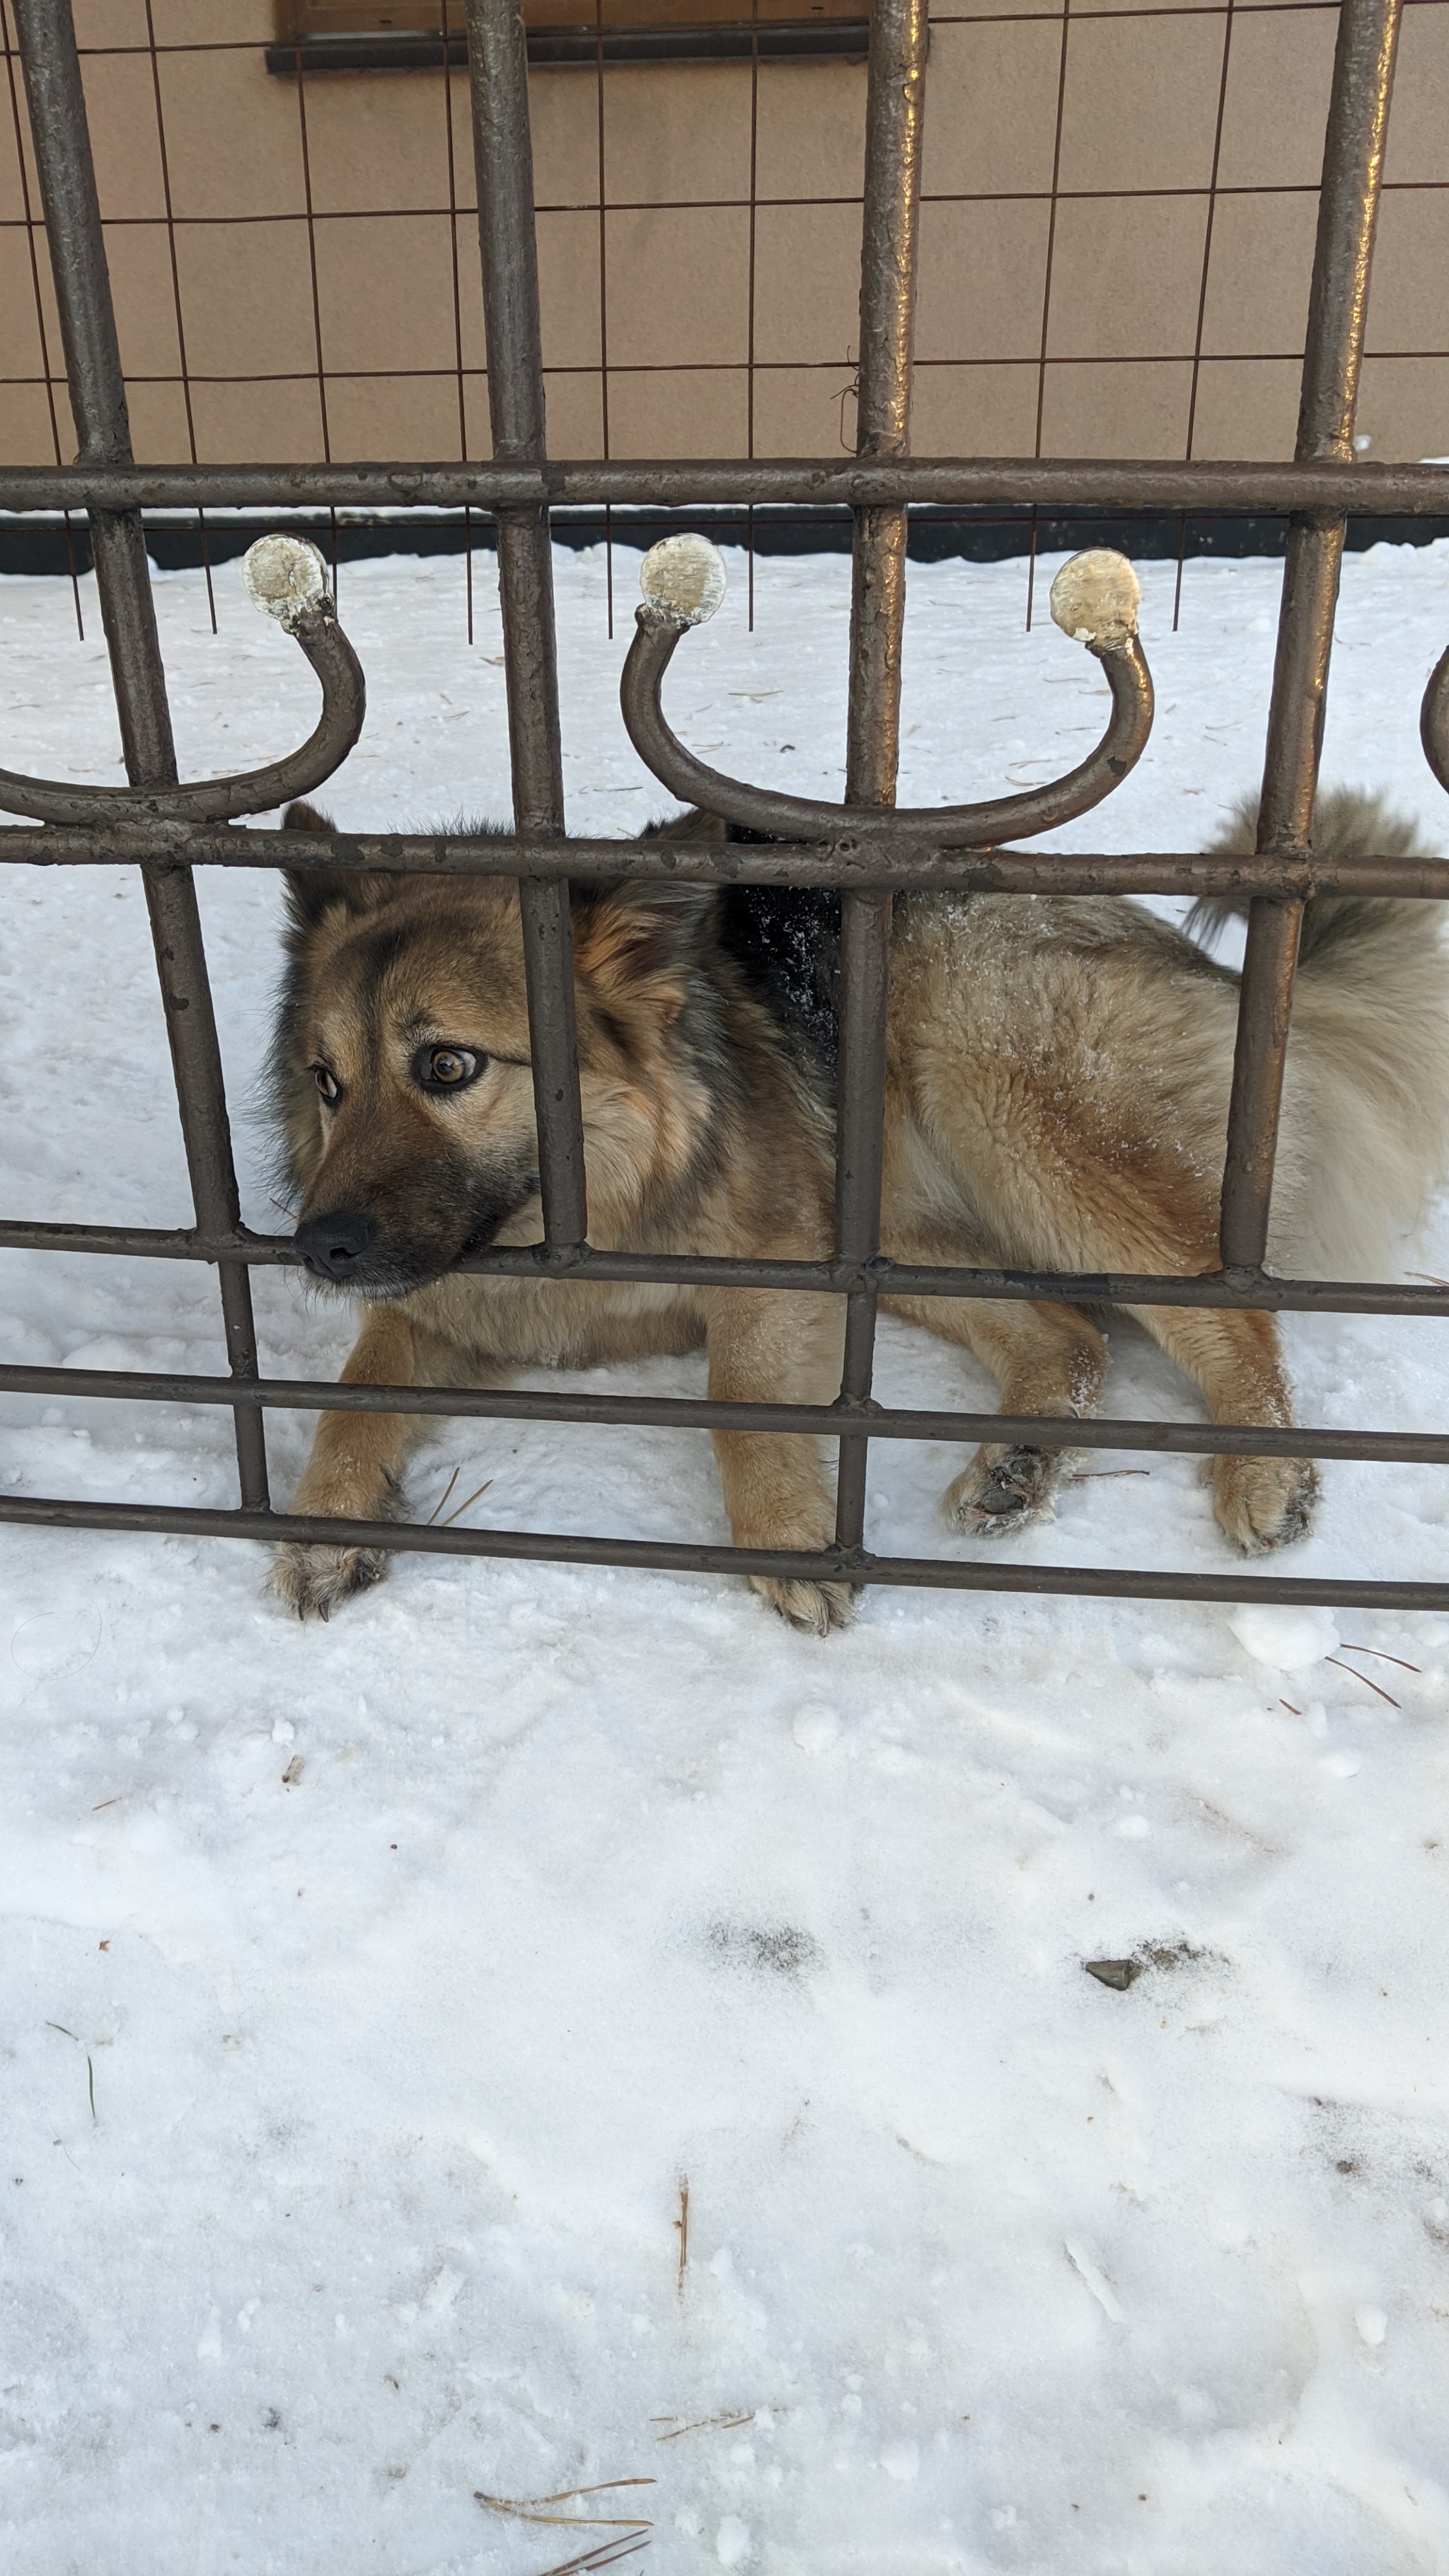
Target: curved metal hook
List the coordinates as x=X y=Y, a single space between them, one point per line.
x=1094 y=598
x=1434 y=721
x=286 y=577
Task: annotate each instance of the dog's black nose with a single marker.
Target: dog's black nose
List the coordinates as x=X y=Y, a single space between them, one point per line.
x=333 y=1245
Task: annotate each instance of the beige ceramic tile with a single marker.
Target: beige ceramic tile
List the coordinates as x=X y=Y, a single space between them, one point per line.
x=109 y=23
x=1141 y=102
x=802 y=411
x=681 y=412
x=1418 y=146
x=1403 y=407
x=159 y=434
x=568 y=273
x=386 y=417
x=144 y=297
x=212 y=22
x=20 y=332
x=257 y=424
x=974 y=411
x=1246 y=407
x=563 y=111
x=983 y=268
x=25 y=432
x=385 y=285
x=233 y=144
x=673 y=136
x=575 y=416
x=807 y=284
x=377 y=140
x=810 y=139
x=964 y=11
x=678 y=288
x=1409 y=286
x=991 y=109
x=247 y=299
x=1124 y=410
x=121 y=112
x=1279 y=72
x=1126 y=277
x=1258 y=275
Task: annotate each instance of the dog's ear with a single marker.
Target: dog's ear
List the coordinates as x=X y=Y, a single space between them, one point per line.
x=637 y=945
x=314 y=892
x=693 y=825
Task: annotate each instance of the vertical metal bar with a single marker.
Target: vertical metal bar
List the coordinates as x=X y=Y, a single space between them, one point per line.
x=1353 y=159
x=894 y=104
x=123 y=579
x=498 y=77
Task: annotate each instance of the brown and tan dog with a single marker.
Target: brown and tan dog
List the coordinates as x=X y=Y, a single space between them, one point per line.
x=1057 y=1099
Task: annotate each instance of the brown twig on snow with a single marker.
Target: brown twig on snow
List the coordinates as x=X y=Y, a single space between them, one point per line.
x=1380 y=1656
x=706 y=2424
x=1363 y=1677
x=682 y=2223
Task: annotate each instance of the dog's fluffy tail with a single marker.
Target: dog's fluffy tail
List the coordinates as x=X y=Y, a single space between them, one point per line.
x=1365 y=1129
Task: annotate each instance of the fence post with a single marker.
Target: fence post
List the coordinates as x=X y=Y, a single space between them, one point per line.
x=123 y=578
x=1353 y=160
x=503 y=151
x=894 y=103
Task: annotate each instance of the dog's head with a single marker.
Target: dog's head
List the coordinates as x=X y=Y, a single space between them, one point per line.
x=402 y=1067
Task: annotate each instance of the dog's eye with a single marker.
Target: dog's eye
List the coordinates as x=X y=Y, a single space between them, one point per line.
x=447 y=1068
x=327 y=1083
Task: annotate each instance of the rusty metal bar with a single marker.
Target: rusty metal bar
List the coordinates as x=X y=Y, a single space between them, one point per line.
x=766 y=809
x=858 y=856
x=98 y=399
x=939 y=1574
x=1353 y=156
x=498 y=80
x=1254 y=1293
x=1148 y=484
x=690 y=1413
x=895 y=100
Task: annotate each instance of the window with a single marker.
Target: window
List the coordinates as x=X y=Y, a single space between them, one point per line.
x=401 y=35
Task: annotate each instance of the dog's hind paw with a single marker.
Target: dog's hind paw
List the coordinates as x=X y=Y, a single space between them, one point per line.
x=814 y=1608
x=1263 y=1503
x=1004 y=1490
x=314 y=1580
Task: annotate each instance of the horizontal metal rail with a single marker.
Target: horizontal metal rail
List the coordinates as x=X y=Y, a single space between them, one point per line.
x=684 y=1556
x=1257 y=1291
x=867 y=1421
x=858 y=857
x=1052 y=483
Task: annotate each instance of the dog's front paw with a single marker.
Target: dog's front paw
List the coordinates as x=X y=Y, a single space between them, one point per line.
x=1004 y=1490
x=314 y=1580
x=814 y=1608
x=1263 y=1503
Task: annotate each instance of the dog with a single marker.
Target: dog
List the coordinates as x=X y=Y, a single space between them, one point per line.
x=1058 y=1073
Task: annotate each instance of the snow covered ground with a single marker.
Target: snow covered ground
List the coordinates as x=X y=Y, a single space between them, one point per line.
x=371 y=1992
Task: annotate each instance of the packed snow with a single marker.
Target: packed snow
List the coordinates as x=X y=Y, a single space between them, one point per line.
x=555 y=2061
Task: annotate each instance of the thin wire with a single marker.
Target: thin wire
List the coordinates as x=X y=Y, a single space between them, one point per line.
x=1046 y=294
x=604 y=311
x=750 y=345
x=48 y=380
x=1207 y=252
x=176 y=299
x=457 y=313
x=321 y=373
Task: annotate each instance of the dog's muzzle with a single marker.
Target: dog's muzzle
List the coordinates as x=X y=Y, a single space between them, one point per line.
x=332 y=1246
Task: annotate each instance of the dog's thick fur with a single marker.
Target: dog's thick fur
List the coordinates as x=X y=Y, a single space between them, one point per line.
x=1058 y=1081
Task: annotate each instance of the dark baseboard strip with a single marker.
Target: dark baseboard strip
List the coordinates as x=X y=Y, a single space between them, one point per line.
x=723 y=41
x=39 y=545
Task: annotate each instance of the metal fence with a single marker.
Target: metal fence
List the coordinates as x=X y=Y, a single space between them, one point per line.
x=868 y=850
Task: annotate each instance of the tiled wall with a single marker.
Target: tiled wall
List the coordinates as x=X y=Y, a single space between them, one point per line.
x=1116 y=240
